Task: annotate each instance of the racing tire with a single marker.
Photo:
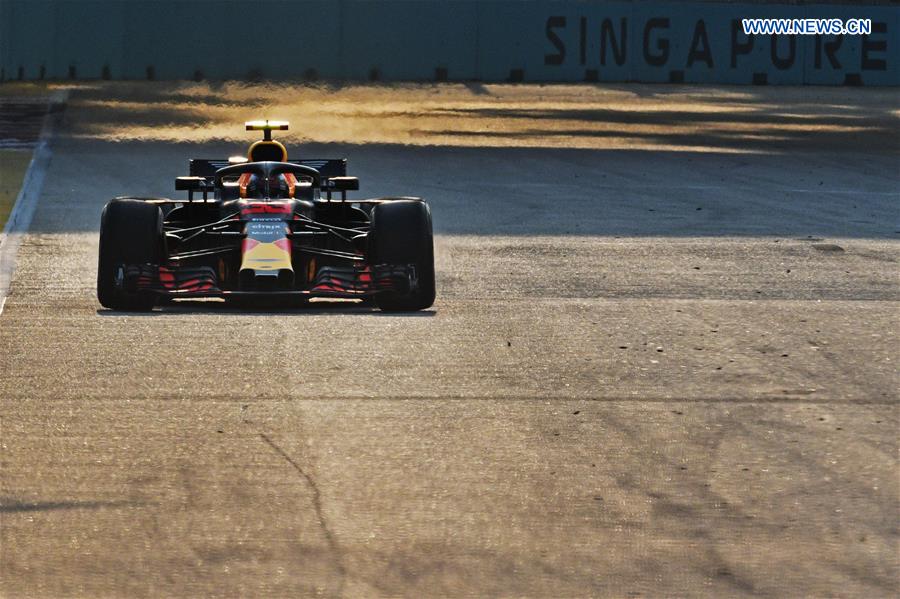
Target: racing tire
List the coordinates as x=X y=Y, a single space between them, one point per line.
x=401 y=234
x=131 y=233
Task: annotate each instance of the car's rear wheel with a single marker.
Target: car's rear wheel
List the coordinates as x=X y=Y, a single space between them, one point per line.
x=131 y=234
x=401 y=235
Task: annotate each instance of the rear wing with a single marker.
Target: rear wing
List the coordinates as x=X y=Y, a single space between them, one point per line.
x=327 y=167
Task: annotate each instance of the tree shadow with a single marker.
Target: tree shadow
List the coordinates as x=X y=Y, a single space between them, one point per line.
x=633 y=160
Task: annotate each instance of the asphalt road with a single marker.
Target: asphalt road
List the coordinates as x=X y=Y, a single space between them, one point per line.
x=660 y=363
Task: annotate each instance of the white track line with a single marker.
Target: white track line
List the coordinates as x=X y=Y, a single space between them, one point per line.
x=23 y=209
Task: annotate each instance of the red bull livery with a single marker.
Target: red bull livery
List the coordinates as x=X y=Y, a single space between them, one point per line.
x=265 y=227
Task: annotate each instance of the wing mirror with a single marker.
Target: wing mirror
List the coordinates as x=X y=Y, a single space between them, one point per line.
x=341 y=184
x=192 y=184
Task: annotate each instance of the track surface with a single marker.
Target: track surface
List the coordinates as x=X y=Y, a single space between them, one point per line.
x=650 y=370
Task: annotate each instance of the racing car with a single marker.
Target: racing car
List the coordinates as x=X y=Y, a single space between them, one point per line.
x=260 y=227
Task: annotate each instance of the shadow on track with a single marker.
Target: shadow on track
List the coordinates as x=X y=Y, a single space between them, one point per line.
x=314 y=309
x=631 y=161
x=13 y=506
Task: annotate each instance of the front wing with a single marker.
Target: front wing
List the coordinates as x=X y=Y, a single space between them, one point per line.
x=330 y=281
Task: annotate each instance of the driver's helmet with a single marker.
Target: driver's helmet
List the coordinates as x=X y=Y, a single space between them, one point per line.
x=274 y=187
x=279 y=187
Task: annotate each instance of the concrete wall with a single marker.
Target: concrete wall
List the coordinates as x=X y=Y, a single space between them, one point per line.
x=541 y=40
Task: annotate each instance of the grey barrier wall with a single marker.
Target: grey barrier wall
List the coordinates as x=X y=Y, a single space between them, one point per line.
x=426 y=40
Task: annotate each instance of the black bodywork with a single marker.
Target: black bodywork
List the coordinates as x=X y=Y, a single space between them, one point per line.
x=267 y=229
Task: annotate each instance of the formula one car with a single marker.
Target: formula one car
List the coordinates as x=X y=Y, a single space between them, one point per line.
x=265 y=227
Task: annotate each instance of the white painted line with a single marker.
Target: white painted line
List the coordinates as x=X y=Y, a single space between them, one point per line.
x=15 y=144
x=23 y=209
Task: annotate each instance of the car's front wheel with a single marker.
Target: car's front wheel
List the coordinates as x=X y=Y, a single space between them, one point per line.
x=131 y=235
x=401 y=235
